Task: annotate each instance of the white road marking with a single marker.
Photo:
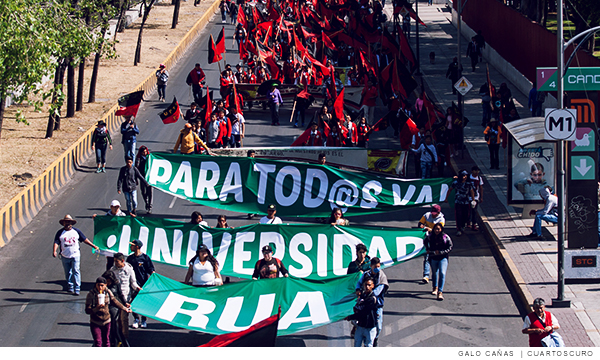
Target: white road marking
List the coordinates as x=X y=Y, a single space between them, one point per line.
x=172 y=202
x=23 y=307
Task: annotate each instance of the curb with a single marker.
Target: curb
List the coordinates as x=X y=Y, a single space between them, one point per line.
x=21 y=209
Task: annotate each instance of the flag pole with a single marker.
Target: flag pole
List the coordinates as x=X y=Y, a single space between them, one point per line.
x=293 y=108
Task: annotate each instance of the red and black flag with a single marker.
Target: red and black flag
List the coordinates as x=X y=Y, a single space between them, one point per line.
x=261 y=334
x=130 y=103
x=388 y=41
x=213 y=54
x=172 y=113
x=220 y=44
x=327 y=41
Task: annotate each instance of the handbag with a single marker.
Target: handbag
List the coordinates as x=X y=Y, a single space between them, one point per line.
x=553 y=340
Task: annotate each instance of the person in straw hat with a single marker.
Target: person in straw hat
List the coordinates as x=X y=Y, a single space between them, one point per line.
x=68 y=239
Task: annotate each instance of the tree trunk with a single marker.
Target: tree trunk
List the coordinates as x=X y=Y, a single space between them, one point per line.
x=54 y=117
x=2 y=104
x=176 y=14
x=70 y=90
x=80 y=78
x=122 y=14
x=94 y=79
x=545 y=18
x=138 y=49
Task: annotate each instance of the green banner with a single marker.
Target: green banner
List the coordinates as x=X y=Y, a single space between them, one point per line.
x=305 y=304
x=249 y=185
x=307 y=251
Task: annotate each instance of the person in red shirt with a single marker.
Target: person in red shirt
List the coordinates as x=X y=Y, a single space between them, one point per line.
x=363 y=131
x=335 y=138
x=352 y=136
x=227 y=80
x=369 y=101
x=195 y=79
x=288 y=71
x=315 y=138
x=539 y=324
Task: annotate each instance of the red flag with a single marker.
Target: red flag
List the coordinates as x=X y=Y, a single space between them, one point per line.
x=301 y=140
x=306 y=34
x=208 y=105
x=255 y=16
x=299 y=46
x=263 y=334
x=213 y=55
x=396 y=84
x=251 y=48
x=130 y=103
x=172 y=114
x=408 y=130
x=326 y=129
x=382 y=124
x=220 y=44
x=366 y=64
x=241 y=18
x=273 y=67
x=405 y=47
x=243 y=51
x=338 y=106
x=324 y=69
x=327 y=41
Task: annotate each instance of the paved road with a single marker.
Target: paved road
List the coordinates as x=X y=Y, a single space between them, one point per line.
x=478 y=310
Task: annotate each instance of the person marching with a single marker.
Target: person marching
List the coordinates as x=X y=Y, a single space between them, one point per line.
x=268 y=267
x=438 y=246
x=270 y=218
x=100 y=140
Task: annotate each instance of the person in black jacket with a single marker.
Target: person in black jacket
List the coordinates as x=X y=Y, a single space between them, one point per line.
x=127 y=181
x=100 y=140
x=140 y=163
x=454 y=73
x=365 y=313
x=438 y=246
x=118 y=338
x=143 y=268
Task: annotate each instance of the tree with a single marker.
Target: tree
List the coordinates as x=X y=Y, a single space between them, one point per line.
x=584 y=14
x=75 y=41
x=147 y=5
x=26 y=46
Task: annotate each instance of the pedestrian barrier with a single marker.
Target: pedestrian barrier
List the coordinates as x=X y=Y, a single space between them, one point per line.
x=21 y=209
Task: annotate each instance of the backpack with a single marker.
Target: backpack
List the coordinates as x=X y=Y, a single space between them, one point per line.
x=540 y=97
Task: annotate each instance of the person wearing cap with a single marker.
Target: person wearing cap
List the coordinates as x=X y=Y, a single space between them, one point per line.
x=115 y=210
x=129 y=133
x=97 y=304
x=188 y=140
x=162 y=77
x=129 y=175
x=100 y=140
x=268 y=267
x=124 y=271
x=270 y=218
x=142 y=267
x=427 y=221
x=68 y=239
x=477 y=182
x=464 y=191
x=203 y=269
x=275 y=101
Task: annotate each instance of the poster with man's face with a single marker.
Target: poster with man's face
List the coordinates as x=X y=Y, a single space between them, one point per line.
x=531 y=169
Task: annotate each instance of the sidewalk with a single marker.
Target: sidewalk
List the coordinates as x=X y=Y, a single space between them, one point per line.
x=532 y=264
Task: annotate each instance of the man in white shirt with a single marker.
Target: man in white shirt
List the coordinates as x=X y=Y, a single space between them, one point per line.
x=271 y=218
x=68 y=239
x=238 y=128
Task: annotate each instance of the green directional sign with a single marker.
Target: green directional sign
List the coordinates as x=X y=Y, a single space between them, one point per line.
x=582 y=168
x=575 y=79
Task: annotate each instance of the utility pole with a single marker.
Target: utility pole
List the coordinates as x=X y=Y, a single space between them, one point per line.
x=417 y=34
x=560 y=158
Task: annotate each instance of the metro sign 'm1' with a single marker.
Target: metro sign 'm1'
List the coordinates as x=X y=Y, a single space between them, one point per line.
x=560 y=124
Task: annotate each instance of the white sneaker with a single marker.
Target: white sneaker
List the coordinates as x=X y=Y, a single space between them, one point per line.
x=136 y=324
x=144 y=325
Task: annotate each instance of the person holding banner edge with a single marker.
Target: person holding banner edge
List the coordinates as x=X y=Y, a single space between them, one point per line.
x=269 y=267
x=203 y=269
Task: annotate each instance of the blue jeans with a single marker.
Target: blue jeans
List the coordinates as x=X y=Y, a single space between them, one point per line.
x=101 y=154
x=274 y=113
x=426 y=169
x=379 y=321
x=364 y=335
x=72 y=273
x=131 y=199
x=537 y=223
x=439 y=266
x=129 y=148
x=161 y=90
x=426 y=266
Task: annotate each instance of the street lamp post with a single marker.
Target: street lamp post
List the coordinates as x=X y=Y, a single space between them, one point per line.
x=560 y=157
x=417 y=35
